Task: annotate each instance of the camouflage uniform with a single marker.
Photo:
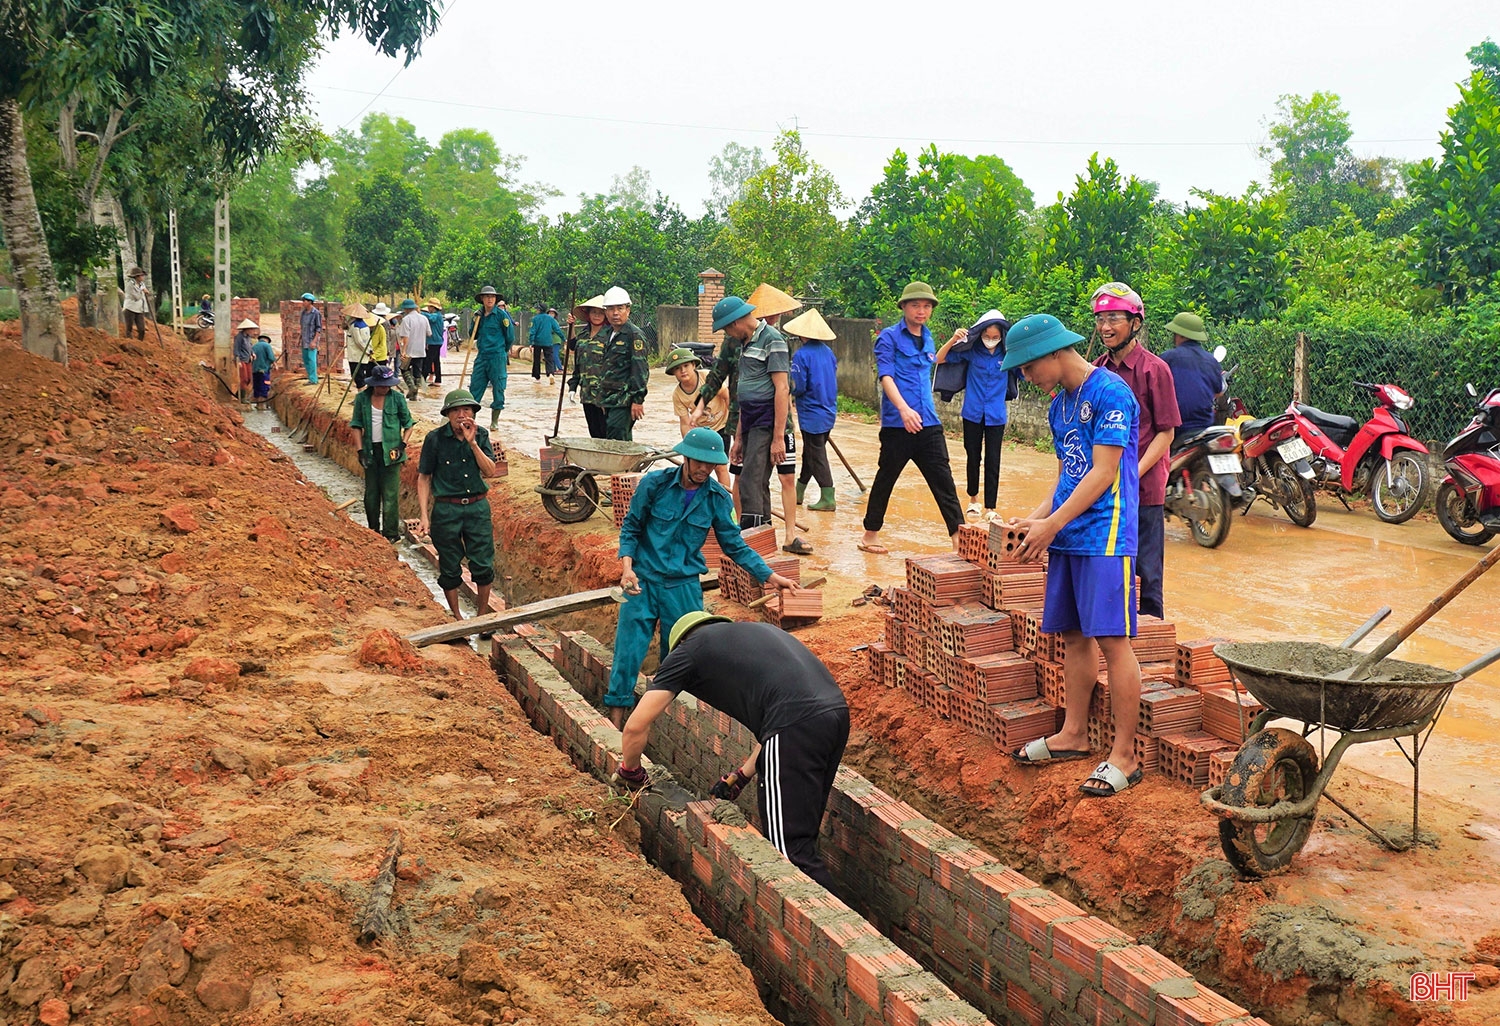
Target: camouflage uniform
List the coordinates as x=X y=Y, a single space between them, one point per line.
x=622 y=378
x=588 y=358
x=726 y=368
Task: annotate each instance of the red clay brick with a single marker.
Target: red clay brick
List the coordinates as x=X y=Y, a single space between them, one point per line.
x=1207 y=1009
x=1129 y=974
x=1027 y=1007
x=950 y=867
x=703 y=868
x=989 y=888
x=1033 y=911
x=1094 y=1009
x=1077 y=944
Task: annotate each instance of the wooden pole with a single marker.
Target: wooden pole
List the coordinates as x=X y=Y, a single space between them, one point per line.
x=1301 y=381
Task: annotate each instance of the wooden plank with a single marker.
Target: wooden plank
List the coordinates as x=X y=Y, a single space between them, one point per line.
x=495 y=622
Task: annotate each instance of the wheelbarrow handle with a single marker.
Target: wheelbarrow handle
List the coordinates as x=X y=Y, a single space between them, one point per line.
x=1366 y=627
x=1469 y=669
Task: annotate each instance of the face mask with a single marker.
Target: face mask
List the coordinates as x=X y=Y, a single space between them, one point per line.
x=990 y=343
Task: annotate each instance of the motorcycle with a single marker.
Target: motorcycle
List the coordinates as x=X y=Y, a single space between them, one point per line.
x=1468 y=500
x=1379 y=457
x=1276 y=462
x=1203 y=483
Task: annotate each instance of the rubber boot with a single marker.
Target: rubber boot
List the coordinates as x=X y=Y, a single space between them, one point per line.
x=825 y=501
x=801 y=491
x=494 y=418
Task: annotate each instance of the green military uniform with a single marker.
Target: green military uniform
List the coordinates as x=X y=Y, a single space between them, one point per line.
x=492 y=339
x=461 y=525
x=726 y=368
x=622 y=374
x=382 y=458
x=588 y=366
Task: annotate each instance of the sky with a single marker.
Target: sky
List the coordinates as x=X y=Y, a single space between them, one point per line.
x=1176 y=92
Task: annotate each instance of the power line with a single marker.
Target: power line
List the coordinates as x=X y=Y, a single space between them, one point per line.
x=687 y=126
x=375 y=96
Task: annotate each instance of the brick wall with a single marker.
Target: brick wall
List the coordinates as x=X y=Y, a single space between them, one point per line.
x=330 y=353
x=710 y=291
x=1017 y=951
x=241 y=307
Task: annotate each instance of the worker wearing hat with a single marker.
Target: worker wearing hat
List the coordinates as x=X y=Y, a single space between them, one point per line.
x=544 y=334
x=771 y=304
x=661 y=547
x=380 y=349
x=492 y=336
x=136 y=304
x=769 y=681
x=263 y=360
x=244 y=354
x=311 y=326
x=1197 y=378
x=588 y=327
x=436 y=337
x=684 y=366
x=815 y=389
x=382 y=423
x=451 y=499
x=413 y=333
x=623 y=370
x=910 y=431
x=1089 y=528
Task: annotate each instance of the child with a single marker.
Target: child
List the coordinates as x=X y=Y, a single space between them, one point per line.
x=1089 y=526
x=683 y=365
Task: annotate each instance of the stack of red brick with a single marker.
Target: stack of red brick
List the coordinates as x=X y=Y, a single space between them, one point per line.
x=964 y=639
x=330 y=352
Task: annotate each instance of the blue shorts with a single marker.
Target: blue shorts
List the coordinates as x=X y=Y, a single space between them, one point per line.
x=1094 y=595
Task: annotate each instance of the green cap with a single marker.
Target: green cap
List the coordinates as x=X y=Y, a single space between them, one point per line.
x=702 y=444
x=459 y=397
x=688 y=621
x=1188 y=325
x=408 y=304
x=917 y=290
x=1032 y=338
x=730 y=309
x=679 y=357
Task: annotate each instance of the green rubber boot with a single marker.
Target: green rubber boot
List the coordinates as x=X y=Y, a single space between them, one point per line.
x=801 y=491
x=825 y=501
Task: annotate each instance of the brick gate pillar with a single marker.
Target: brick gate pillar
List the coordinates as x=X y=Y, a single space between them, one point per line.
x=710 y=291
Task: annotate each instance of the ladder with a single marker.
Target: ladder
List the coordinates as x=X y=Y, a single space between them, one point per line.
x=176 y=269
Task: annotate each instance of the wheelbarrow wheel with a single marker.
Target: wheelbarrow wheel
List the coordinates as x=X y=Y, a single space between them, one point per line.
x=580 y=501
x=1274 y=765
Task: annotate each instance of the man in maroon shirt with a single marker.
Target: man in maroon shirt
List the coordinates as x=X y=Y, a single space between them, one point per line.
x=1120 y=320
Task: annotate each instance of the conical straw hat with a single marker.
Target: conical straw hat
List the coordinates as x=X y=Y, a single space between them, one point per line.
x=247 y=323
x=809 y=325
x=769 y=301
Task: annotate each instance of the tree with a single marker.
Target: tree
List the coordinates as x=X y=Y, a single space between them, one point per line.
x=1234 y=258
x=728 y=172
x=784 y=228
x=1309 y=136
x=1459 y=195
x=388 y=232
x=1103 y=225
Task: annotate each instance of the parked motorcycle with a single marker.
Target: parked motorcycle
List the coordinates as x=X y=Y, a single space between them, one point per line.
x=1468 y=500
x=1276 y=463
x=1203 y=483
x=1378 y=458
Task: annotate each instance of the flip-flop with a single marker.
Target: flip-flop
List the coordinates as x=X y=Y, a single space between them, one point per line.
x=798 y=547
x=1037 y=752
x=874 y=548
x=1111 y=780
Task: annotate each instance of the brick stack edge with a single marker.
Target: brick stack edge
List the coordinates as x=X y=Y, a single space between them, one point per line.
x=330 y=353
x=1010 y=948
x=964 y=639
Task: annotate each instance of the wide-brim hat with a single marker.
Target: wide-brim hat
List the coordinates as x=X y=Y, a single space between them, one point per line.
x=488 y=290
x=917 y=290
x=581 y=311
x=356 y=311
x=730 y=309
x=678 y=358
x=385 y=378
x=1188 y=325
x=992 y=319
x=432 y=304
x=769 y=301
x=263 y=338
x=702 y=444
x=809 y=325
x=459 y=397
x=247 y=323
x=381 y=310
x=688 y=621
x=1032 y=338
x=408 y=304
x=135 y=272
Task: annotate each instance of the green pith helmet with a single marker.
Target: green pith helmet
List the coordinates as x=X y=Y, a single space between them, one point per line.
x=459 y=397
x=688 y=621
x=1188 y=325
x=679 y=358
x=702 y=444
x=730 y=309
x=917 y=290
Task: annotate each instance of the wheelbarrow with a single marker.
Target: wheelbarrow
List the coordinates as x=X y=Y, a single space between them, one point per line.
x=570 y=492
x=1267 y=804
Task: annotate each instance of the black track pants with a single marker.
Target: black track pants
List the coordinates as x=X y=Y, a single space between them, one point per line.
x=794 y=774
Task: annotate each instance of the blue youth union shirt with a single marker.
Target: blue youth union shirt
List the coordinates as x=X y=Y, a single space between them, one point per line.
x=1103 y=411
x=907 y=360
x=984 y=393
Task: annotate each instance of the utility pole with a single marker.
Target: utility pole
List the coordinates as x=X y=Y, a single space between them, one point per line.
x=176 y=269
x=223 y=332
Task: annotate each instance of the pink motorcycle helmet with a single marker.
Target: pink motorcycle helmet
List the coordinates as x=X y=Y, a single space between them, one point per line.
x=1116 y=295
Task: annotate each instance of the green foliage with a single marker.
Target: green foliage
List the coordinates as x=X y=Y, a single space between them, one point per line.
x=76 y=246
x=1102 y=225
x=1234 y=260
x=1459 y=195
x=1346 y=262
x=387 y=232
x=1316 y=171
x=728 y=171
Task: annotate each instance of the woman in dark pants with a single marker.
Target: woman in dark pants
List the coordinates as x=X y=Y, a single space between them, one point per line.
x=382 y=422
x=986 y=388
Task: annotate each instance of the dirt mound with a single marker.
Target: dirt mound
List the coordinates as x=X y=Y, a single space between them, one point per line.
x=200 y=776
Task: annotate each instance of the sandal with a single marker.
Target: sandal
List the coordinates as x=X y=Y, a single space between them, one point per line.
x=1036 y=752
x=874 y=548
x=798 y=547
x=1108 y=780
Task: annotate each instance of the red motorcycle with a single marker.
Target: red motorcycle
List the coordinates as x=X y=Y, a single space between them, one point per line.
x=1378 y=458
x=1276 y=463
x=1468 y=500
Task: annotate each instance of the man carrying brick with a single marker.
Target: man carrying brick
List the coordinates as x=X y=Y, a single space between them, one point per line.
x=661 y=546
x=769 y=681
x=1089 y=525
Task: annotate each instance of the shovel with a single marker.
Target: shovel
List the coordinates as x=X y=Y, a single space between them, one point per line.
x=1361 y=670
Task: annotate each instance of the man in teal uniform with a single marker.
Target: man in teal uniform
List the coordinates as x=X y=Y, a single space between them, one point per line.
x=451 y=497
x=492 y=339
x=661 y=545
x=623 y=372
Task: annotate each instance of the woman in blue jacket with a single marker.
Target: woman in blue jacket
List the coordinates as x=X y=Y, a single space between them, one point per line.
x=986 y=389
x=815 y=387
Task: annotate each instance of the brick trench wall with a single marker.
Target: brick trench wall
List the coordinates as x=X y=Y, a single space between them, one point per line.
x=1015 y=950
x=817 y=960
